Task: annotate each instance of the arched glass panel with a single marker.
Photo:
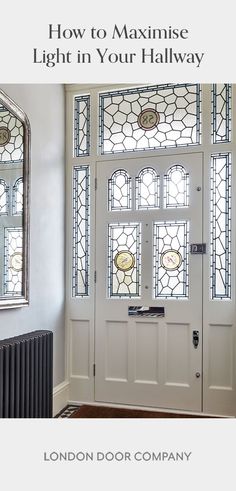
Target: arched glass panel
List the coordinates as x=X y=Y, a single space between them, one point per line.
x=119 y=191
x=4 y=197
x=147 y=189
x=14 y=175
x=17 y=204
x=176 y=187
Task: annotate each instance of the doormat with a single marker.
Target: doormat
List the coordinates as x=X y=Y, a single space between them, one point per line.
x=86 y=411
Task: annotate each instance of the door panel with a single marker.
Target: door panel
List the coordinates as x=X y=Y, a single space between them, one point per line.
x=147 y=226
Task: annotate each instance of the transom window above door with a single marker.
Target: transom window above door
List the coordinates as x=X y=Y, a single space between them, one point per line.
x=150 y=117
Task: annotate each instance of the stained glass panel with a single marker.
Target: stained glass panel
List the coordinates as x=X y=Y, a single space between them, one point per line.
x=82 y=126
x=124 y=260
x=4 y=198
x=147 y=189
x=17 y=204
x=171 y=242
x=221 y=225
x=119 y=191
x=81 y=231
x=221 y=113
x=13 y=260
x=11 y=138
x=176 y=187
x=177 y=122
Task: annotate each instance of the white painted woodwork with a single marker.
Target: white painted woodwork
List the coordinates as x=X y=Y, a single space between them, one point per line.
x=148 y=365
x=219 y=342
x=149 y=361
x=80 y=362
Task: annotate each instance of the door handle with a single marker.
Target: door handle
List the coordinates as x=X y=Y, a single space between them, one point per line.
x=195 y=339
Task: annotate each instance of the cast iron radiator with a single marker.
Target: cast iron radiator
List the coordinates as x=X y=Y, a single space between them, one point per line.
x=26 y=375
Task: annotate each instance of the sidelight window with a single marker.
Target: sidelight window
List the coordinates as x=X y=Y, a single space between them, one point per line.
x=81 y=231
x=221 y=225
x=81 y=126
x=221 y=113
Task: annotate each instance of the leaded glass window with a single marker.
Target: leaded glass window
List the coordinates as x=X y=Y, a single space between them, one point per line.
x=13 y=261
x=221 y=113
x=124 y=260
x=17 y=195
x=221 y=225
x=176 y=187
x=4 y=197
x=81 y=126
x=11 y=137
x=149 y=118
x=147 y=189
x=171 y=242
x=81 y=231
x=119 y=191
x=14 y=216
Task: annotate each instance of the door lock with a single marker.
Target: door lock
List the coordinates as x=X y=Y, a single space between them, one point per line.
x=198 y=374
x=195 y=339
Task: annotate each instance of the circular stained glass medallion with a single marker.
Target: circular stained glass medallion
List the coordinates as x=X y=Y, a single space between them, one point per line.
x=171 y=260
x=5 y=136
x=16 y=261
x=148 y=119
x=124 y=260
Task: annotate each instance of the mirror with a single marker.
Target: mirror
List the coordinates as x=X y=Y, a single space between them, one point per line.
x=14 y=196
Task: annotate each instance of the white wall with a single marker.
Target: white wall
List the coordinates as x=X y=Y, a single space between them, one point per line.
x=44 y=106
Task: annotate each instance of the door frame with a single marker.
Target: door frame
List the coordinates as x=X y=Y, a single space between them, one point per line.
x=81 y=373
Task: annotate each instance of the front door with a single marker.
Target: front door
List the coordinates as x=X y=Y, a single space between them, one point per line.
x=148 y=316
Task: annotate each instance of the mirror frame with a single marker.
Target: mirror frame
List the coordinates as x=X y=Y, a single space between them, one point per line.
x=8 y=302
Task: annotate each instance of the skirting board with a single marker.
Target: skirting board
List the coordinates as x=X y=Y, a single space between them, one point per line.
x=60 y=397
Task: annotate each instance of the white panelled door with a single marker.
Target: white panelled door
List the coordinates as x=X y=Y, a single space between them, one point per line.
x=148 y=332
